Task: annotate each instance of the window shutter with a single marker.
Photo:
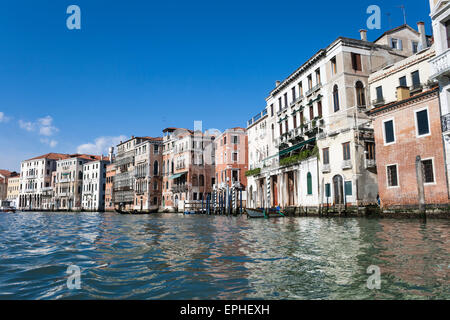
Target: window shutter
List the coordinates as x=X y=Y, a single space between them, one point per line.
x=391 y=44
x=400 y=44
x=358 y=62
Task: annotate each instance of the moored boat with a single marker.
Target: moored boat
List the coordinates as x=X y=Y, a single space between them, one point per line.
x=262 y=213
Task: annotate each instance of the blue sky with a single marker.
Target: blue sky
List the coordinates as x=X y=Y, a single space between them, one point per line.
x=136 y=67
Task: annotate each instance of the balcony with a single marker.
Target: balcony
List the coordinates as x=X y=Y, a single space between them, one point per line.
x=445 y=120
x=378 y=102
x=313 y=89
x=257 y=117
x=346 y=164
x=370 y=163
x=416 y=88
x=179 y=188
x=326 y=168
x=440 y=65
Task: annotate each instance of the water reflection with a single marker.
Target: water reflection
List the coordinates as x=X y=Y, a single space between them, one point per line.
x=201 y=257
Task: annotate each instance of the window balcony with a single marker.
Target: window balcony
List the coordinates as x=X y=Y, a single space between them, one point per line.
x=370 y=163
x=445 y=120
x=378 y=102
x=346 y=164
x=440 y=65
x=326 y=168
x=314 y=89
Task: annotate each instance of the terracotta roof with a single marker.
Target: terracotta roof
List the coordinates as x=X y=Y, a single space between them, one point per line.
x=397 y=103
x=51 y=156
x=7 y=173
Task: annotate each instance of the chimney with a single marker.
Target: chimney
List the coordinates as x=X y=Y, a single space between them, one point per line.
x=277 y=83
x=363 y=34
x=111 y=154
x=402 y=93
x=423 y=38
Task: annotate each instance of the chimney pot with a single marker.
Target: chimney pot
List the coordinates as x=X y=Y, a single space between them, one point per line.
x=363 y=34
x=403 y=93
x=277 y=83
x=423 y=37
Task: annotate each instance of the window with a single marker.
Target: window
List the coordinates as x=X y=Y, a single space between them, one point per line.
x=293 y=94
x=319 y=108
x=423 y=127
x=346 y=150
x=415 y=79
x=415 y=46
x=356 y=62
x=286 y=126
x=279 y=104
x=389 y=134
x=311 y=112
x=202 y=180
x=271 y=110
x=396 y=44
x=294 y=119
x=281 y=129
x=309 y=183
x=156 y=149
x=392 y=176
x=336 y=98
x=326 y=155
x=327 y=190
x=379 y=93
x=360 y=95
x=155 y=168
x=427 y=169
x=235 y=139
x=333 y=66
x=225 y=140
x=370 y=150
x=402 y=81
x=235 y=157
x=348 y=188
x=310 y=82
x=300 y=89
x=318 y=80
x=285 y=100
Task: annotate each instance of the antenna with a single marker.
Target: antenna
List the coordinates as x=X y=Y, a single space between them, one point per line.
x=404 y=12
x=389 y=19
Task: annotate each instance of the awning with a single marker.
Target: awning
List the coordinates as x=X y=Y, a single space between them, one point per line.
x=298 y=146
x=177 y=175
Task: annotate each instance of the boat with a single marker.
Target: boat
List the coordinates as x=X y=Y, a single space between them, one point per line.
x=189 y=212
x=262 y=213
x=8 y=209
x=136 y=211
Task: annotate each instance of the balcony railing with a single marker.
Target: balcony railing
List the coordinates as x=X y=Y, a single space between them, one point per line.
x=326 y=168
x=313 y=89
x=378 y=102
x=370 y=163
x=346 y=164
x=256 y=118
x=440 y=65
x=179 y=188
x=445 y=119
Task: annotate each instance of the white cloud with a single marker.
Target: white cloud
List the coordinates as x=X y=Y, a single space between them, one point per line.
x=50 y=142
x=100 y=145
x=3 y=118
x=43 y=125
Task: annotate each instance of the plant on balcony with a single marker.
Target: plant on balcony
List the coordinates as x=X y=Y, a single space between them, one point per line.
x=253 y=172
x=305 y=154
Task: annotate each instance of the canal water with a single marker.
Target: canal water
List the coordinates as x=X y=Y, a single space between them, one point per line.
x=171 y=256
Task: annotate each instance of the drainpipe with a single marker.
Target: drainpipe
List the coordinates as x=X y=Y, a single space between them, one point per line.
x=443 y=143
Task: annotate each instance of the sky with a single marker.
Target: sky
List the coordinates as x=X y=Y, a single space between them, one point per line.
x=137 y=67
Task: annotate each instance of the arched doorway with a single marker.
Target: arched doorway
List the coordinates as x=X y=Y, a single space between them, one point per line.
x=338 y=188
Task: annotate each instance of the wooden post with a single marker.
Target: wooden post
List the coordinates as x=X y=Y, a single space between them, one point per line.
x=420 y=187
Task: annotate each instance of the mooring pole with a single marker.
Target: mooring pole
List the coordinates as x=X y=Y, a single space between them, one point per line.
x=420 y=187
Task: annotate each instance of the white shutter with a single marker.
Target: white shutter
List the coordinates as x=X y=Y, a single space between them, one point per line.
x=400 y=44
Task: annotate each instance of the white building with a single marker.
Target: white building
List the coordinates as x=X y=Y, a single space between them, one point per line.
x=94 y=184
x=35 y=181
x=440 y=65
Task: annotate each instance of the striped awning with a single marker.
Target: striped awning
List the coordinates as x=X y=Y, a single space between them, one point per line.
x=297 y=146
x=177 y=175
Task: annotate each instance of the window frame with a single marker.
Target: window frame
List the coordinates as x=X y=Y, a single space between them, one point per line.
x=417 y=124
x=434 y=172
x=384 y=131
x=396 y=173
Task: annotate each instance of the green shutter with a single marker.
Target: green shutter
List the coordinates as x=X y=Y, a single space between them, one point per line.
x=309 y=181
x=348 y=188
x=327 y=190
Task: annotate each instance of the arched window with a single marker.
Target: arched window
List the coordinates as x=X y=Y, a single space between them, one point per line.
x=360 y=95
x=202 y=180
x=155 y=168
x=195 y=180
x=309 y=183
x=336 y=98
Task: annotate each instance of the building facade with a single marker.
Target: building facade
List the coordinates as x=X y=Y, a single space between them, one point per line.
x=4 y=176
x=308 y=147
x=36 y=181
x=148 y=175
x=440 y=66
x=188 y=167
x=13 y=190
x=94 y=185
x=109 y=186
x=231 y=155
